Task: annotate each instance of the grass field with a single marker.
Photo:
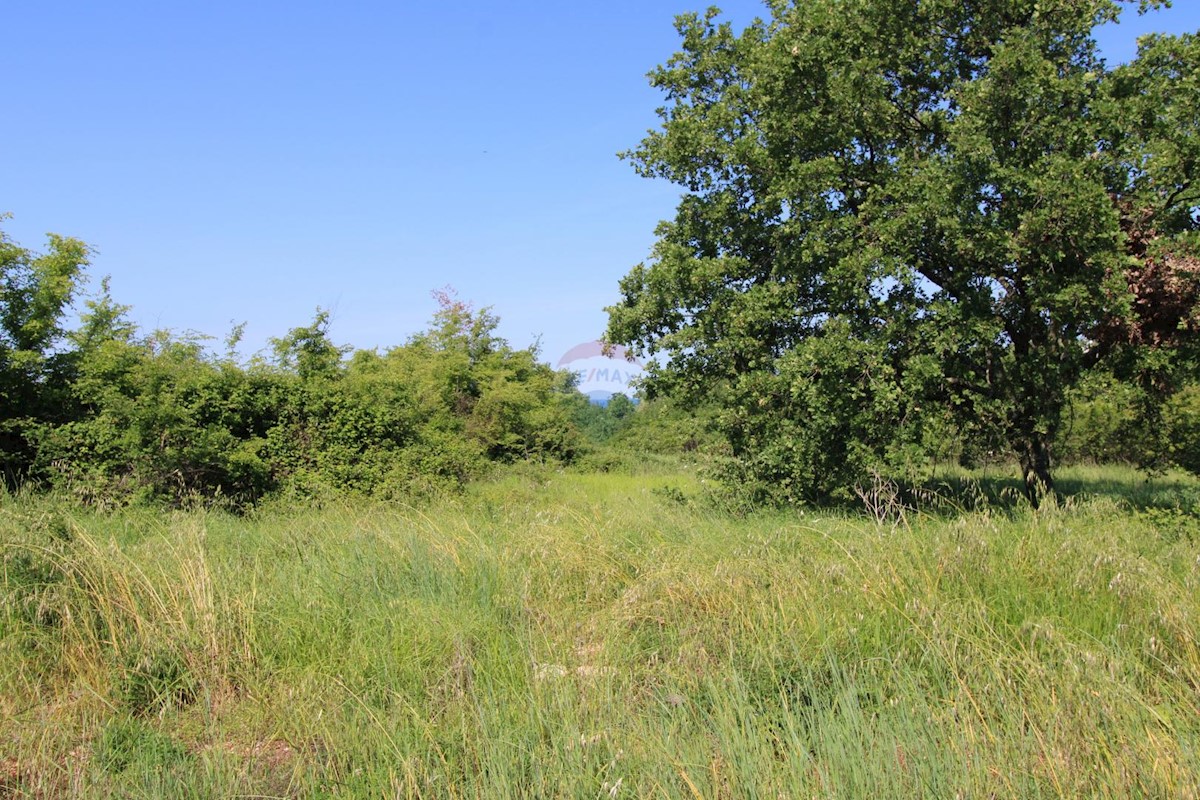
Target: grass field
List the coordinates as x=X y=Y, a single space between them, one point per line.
x=604 y=636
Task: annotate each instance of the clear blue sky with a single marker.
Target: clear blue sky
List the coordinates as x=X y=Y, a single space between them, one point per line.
x=251 y=161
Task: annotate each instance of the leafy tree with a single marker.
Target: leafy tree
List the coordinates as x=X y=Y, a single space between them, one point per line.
x=899 y=211
x=599 y=423
x=308 y=350
x=1182 y=418
x=501 y=400
x=1105 y=422
x=35 y=291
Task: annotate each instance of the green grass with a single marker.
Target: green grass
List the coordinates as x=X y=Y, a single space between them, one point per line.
x=605 y=635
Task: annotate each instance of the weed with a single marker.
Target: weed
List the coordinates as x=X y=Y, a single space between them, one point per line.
x=126 y=741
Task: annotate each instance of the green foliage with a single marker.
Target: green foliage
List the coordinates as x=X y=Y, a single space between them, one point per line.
x=112 y=416
x=645 y=437
x=822 y=422
x=1182 y=424
x=155 y=681
x=162 y=418
x=902 y=220
x=667 y=427
x=35 y=291
x=1106 y=422
x=308 y=352
x=600 y=423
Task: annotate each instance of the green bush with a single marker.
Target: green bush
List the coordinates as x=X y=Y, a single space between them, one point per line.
x=161 y=418
x=822 y=423
x=1182 y=423
x=1105 y=422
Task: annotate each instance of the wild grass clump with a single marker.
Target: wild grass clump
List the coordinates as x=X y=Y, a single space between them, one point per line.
x=561 y=635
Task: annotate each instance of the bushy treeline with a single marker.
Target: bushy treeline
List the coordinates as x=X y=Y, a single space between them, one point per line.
x=112 y=414
x=1119 y=421
x=844 y=434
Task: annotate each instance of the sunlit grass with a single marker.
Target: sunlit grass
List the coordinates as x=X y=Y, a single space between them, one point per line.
x=605 y=635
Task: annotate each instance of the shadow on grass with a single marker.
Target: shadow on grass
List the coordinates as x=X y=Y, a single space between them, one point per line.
x=1138 y=490
x=950 y=492
x=1133 y=489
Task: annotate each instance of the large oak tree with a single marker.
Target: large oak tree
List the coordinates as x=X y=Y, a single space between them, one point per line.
x=900 y=212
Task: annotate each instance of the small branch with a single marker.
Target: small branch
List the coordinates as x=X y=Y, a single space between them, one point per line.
x=1173 y=196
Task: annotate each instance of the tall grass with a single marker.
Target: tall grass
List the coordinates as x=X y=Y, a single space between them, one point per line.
x=602 y=636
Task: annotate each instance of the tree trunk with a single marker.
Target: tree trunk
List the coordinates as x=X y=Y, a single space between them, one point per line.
x=1034 y=453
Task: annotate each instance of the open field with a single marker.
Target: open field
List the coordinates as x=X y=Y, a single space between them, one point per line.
x=604 y=636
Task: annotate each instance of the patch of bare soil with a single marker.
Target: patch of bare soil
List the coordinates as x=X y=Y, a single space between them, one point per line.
x=272 y=765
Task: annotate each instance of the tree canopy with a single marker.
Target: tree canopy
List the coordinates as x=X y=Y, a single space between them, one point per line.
x=35 y=291
x=900 y=216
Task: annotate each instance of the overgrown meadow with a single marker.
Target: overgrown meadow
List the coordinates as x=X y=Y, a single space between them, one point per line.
x=561 y=633
x=438 y=571
x=931 y=264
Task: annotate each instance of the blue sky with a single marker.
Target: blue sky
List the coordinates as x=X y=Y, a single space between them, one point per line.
x=252 y=161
